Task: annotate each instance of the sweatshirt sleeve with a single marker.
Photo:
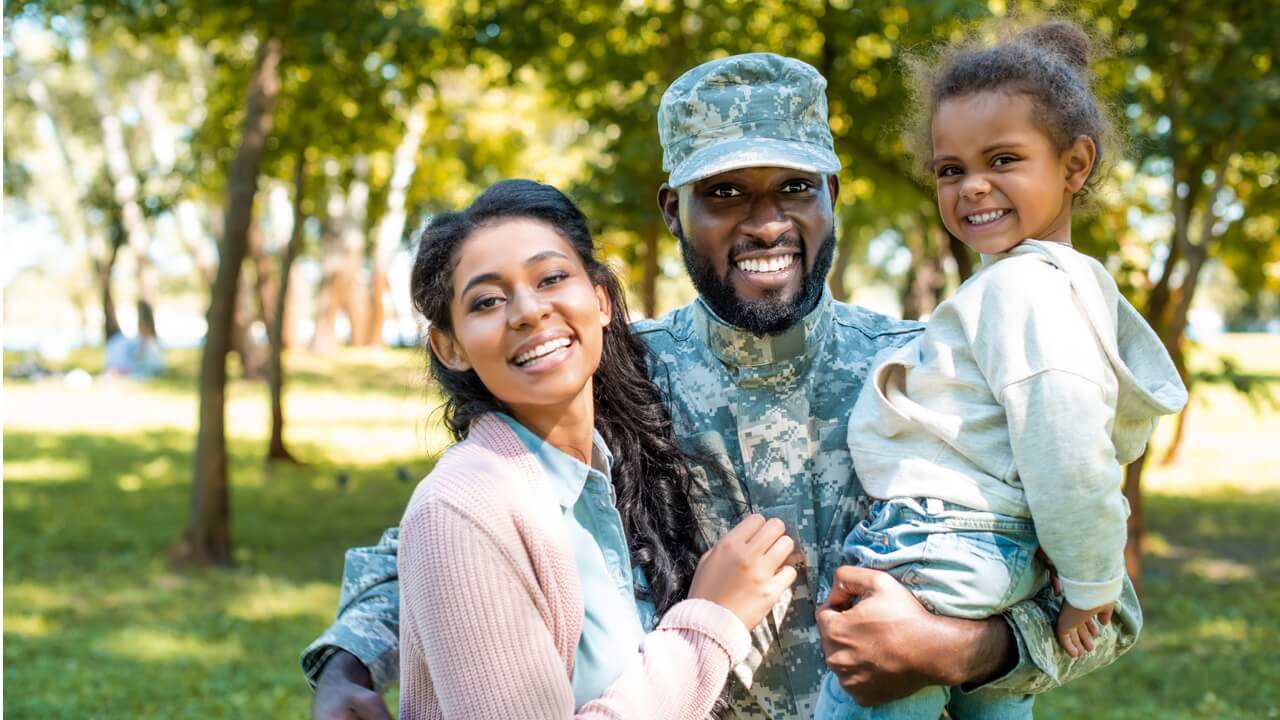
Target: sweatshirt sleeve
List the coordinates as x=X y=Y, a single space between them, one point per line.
x=1059 y=432
x=482 y=633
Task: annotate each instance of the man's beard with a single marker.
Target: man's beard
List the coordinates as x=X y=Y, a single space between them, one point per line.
x=771 y=315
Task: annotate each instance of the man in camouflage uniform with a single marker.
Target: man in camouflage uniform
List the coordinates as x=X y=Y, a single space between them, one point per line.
x=762 y=371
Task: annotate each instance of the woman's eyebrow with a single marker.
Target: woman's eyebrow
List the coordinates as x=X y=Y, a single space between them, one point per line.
x=494 y=277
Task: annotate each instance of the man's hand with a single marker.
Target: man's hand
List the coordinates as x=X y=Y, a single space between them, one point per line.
x=344 y=691
x=888 y=646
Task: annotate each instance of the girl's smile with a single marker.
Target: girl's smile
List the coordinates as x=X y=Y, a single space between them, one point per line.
x=1000 y=178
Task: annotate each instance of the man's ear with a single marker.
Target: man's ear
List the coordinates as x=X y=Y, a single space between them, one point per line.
x=1078 y=160
x=669 y=204
x=606 y=305
x=833 y=186
x=447 y=350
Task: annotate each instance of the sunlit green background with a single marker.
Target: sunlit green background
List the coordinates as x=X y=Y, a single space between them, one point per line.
x=98 y=470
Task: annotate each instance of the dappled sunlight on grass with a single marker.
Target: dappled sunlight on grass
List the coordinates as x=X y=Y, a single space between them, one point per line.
x=45 y=470
x=163 y=646
x=100 y=483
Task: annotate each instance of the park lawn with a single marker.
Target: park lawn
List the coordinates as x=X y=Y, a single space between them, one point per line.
x=97 y=487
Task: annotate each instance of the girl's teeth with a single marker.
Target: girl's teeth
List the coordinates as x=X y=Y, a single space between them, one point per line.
x=985 y=218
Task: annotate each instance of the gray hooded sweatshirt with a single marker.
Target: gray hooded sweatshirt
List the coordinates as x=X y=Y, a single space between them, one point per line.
x=1025 y=396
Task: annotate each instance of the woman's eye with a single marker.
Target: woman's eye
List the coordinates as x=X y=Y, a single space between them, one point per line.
x=554 y=278
x=484 y=303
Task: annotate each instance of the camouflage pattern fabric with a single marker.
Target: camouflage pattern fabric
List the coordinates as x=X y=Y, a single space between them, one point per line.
x=772 y=412
x=753 y=110
x=368 y=620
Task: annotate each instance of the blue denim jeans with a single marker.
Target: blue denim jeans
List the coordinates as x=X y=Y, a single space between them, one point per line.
x=958 y=562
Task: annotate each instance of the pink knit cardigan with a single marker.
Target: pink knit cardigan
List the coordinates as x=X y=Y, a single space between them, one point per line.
x=491 y=610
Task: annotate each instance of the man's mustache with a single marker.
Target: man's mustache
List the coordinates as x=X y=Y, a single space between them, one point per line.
x=786 y=242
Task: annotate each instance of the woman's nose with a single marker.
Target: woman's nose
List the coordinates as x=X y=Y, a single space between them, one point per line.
x=525 y=308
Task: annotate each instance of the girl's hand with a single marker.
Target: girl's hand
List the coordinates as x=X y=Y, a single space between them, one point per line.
x=746 y=570
x=1077 y=628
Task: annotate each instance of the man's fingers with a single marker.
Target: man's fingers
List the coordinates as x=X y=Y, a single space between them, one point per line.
x=370 y=707
x=851 y=582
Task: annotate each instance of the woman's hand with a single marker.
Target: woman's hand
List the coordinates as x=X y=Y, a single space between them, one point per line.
x=746 y=570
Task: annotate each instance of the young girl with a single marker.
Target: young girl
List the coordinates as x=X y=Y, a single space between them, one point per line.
x=1003 y=428
x=516 y=552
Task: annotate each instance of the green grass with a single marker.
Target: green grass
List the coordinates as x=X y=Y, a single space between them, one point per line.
x=97 y=487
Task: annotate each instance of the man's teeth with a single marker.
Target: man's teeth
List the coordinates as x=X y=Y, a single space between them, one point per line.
x=763 y=265
x=986 y=217
x=545 y=348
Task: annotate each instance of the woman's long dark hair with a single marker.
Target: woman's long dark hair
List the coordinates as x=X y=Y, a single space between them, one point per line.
x=651 y=475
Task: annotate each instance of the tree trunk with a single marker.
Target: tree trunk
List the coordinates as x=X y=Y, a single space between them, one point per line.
x=124 y=180
x=207 y=539
x=391 y=228
x=960 y=253
x=275 y=327
x=1175 y=444
x=649 y=283
x=925 y=280
x=1137 y=521
x=840 y=268
x=341 y=284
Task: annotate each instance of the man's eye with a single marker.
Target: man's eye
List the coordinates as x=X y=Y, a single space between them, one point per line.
x=724 y=191
x=796 y=186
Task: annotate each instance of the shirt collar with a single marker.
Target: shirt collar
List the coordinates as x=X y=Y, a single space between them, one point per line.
x=739 y=348
x=567 y=474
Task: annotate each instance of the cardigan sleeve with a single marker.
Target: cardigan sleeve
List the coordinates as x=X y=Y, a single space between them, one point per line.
x=481 y=630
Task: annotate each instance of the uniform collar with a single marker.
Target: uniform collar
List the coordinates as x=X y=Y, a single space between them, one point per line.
x=738 y=348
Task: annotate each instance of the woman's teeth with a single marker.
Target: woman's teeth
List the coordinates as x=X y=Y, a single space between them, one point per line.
x=986 y=217
x=763 y=265
x=542 y=350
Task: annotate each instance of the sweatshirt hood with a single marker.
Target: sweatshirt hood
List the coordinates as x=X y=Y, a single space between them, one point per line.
x=1148 y=382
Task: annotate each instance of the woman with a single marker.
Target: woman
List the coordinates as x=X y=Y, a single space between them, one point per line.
x=518 y=591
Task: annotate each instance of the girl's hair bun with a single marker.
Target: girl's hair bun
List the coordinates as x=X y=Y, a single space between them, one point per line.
x=1064 y=39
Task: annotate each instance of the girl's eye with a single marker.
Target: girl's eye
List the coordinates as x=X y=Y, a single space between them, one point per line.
x=949 y=171
x=554 y=278
x=1002 y=160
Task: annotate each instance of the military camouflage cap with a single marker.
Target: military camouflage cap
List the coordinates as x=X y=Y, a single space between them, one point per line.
x=753 y=110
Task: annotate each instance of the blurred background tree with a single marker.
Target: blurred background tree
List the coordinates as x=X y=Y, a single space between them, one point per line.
x=326 y=136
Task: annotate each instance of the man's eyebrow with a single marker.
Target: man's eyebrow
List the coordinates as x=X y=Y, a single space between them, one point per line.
x=494 y=277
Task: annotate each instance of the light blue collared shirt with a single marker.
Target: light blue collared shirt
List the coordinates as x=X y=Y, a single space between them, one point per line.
x=614 y=621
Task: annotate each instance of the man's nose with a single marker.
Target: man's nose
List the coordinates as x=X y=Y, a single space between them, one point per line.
x=767 y=222
x=525 y=308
